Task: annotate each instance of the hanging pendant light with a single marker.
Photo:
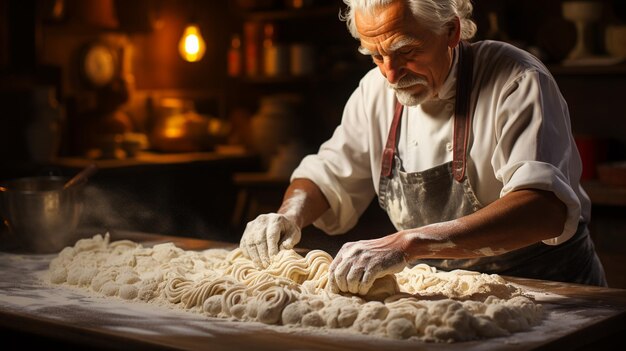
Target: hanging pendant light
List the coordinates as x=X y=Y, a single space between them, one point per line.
x=191 y=45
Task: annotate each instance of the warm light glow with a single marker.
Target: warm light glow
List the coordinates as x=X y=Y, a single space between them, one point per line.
x=175 y=127
x=191 y=45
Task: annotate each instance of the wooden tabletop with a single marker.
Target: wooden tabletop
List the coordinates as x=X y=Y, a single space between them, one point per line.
x=578 y=317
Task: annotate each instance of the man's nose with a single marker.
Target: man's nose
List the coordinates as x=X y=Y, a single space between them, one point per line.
x=393 y=68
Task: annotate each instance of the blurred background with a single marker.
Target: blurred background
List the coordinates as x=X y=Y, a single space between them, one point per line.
x=196 y=112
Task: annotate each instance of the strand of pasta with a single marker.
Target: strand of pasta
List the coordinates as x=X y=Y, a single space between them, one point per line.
x=293 y=290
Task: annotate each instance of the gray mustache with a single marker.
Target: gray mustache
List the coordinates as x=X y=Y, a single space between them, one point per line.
x=407 y=81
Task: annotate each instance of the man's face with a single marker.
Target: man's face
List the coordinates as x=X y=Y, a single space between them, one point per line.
x=414 y=60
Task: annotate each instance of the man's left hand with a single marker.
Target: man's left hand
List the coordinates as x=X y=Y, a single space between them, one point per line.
x=358 y=264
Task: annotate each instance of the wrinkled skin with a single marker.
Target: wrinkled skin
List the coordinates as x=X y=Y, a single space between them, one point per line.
x=266 y=235
x=414 y=61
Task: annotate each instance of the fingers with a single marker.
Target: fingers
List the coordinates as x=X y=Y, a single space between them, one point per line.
x=354 y=279
x=263 y=254
x=245 y=243
x=253 y=254
x=347 y=276
x=358 y=265
x=367 y=281
x=258 y=247
x=272 y=236
x=291 y=237
x=340 y=277
x=249 y=241
x=262 y=238
x=331 y=274
x=338 y=270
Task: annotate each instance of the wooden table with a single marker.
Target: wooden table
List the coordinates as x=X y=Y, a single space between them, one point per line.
x=578 y=318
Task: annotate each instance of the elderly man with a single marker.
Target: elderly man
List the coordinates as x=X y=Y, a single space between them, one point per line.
x=468 y=147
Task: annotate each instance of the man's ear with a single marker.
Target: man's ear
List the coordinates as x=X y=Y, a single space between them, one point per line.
x=453 y=32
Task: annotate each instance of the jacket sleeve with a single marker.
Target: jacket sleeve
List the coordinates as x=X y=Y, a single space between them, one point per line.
x=535 y=148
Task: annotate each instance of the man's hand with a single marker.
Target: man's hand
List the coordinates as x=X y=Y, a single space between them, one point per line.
x=358 y=264
x=265 y=236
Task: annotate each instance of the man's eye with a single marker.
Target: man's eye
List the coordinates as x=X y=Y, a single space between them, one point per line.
x=407 y=51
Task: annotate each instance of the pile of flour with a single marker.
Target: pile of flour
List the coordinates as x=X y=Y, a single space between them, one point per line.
x=419 y=302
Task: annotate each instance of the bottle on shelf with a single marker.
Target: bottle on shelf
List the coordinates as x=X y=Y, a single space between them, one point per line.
x=251 y=48
x=275 y=54
x=302 y=59
x=235 y=59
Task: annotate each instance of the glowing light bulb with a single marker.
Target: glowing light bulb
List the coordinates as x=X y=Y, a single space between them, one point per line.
x=191 y=45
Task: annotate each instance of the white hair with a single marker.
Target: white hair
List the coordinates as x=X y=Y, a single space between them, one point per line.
x=434 y=14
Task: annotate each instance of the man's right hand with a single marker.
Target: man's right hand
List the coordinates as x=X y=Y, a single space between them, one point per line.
x=266 y=235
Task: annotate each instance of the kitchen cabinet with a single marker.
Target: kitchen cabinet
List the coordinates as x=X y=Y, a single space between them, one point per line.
x=592 y=94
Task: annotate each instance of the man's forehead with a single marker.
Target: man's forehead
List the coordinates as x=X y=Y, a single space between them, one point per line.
x=380 y=19
x=391 y=41
x=389 y=26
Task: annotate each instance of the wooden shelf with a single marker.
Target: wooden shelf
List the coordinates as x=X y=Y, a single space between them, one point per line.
x=284 y=79
x=151 y=158
x=605 y=195
x=324 y=76
x=290 y=14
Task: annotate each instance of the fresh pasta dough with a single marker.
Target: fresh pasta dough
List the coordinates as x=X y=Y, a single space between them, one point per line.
x=419 y=302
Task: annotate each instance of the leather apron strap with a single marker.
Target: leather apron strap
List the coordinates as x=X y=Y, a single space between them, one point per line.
x=390 y=147
x=462 y=114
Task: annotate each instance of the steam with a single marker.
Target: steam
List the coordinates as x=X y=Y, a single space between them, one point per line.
x=117 y=209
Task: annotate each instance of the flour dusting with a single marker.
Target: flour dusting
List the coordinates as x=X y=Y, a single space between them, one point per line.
x=417 y=303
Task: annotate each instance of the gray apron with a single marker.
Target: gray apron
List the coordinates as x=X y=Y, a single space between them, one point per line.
x=444 y=193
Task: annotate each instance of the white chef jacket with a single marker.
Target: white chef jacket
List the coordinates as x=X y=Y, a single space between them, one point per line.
x=521 y=139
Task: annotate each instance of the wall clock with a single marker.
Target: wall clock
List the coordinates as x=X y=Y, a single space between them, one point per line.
x=99 y=64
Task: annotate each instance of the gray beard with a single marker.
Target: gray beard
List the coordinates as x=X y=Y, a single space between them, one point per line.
x=407 y=98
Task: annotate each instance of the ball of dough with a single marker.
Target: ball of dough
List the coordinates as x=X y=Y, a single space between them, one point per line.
x=383 y=288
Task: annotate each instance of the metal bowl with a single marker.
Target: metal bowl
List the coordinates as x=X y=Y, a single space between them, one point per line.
x=41 y=216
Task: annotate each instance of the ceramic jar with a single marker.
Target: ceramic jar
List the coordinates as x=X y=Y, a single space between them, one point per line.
x=274 y=124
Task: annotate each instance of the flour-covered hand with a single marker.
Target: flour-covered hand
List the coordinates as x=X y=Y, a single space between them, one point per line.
x=266 y=235
x=358 y=264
